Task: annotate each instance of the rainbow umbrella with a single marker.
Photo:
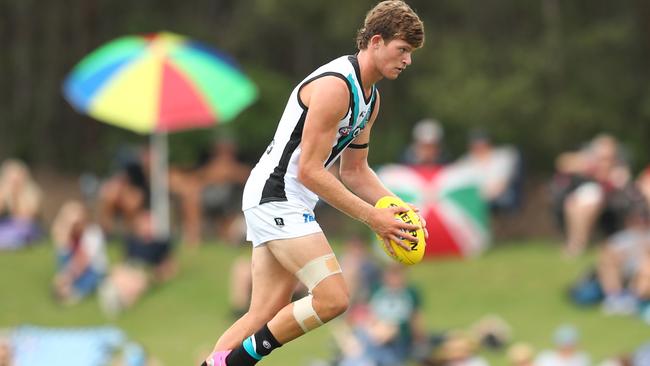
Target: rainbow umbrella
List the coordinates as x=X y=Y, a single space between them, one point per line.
x=158 y=83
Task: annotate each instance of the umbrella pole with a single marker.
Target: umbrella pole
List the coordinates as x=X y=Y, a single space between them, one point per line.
x=160 y=185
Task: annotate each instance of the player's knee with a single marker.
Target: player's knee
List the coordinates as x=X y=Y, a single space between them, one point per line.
x=260 y=316
x=332 y=304
x=328 y=301
x=311 y=313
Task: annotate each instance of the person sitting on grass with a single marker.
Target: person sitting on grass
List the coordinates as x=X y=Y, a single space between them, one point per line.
x=624 y=264
x=586 y=189
x=567 y=350
x=147 y=260
x=81 y=254
x=20 y=201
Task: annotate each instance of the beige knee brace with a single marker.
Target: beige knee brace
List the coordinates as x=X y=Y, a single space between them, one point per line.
x=311 y=275
x=305 y=315
x=317 y=270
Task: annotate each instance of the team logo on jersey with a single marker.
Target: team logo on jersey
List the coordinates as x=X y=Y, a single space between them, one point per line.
x=279 y=221
x=362 y=114
x=344 y=131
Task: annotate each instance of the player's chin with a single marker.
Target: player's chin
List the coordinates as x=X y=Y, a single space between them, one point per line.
x=392 y=75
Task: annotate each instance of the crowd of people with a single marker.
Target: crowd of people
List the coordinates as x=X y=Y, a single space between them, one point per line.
x=118 y=208
x=595 y=199
x=385 y=326
x=497 y=170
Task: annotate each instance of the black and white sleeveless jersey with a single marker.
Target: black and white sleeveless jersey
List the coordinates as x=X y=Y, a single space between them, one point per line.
x=274 y=178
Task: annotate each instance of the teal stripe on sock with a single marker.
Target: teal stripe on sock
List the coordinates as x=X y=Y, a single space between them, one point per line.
x=248 y=346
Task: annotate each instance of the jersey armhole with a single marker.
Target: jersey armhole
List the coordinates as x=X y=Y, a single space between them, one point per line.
x=328 y=73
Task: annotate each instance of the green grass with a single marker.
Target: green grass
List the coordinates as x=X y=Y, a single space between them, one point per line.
x=522 y=282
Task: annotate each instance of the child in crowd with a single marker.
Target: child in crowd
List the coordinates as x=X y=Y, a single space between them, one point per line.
x=81 y=253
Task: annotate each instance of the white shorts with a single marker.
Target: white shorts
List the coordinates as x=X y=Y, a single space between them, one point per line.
x=279 y=220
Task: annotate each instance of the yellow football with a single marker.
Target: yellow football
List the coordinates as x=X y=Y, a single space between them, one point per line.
x=402 y=255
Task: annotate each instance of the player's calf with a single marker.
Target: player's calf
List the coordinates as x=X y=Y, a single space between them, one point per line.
x=309 y=312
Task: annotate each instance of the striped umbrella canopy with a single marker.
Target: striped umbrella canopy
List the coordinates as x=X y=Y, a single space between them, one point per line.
x=450 y=202
x=159 y=82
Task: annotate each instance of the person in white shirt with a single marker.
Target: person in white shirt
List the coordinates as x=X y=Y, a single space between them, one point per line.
x=567 y=351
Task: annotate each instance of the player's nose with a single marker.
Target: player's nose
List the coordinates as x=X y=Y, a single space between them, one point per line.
x=407 y=59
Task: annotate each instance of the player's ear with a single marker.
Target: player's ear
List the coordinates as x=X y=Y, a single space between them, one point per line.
x=375 y=41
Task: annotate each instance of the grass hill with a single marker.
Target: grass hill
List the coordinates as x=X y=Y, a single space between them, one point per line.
x=522 y=282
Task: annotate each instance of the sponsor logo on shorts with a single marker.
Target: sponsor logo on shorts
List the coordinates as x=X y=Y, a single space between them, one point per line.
x=308 y=217
x=279 y=221
x=266 y=344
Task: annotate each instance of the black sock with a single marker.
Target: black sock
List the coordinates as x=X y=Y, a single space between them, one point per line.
x=253 y=348
x=265 y=341
x=239 y=357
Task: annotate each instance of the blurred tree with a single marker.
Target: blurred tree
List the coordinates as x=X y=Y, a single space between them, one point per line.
x=545 y=75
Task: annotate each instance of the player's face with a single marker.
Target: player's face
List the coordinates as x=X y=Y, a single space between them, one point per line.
x=393 y=57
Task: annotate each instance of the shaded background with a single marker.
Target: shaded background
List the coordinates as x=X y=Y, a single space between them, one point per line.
x=545 y=75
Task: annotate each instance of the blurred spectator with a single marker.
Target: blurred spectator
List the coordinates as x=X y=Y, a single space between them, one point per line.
x=213 y=189
x=362 y=275
x=624 y=264
x=586 y=191
x=460 y=349
x=492 y=331
x=497 y=170
x=566 y=351
x=147 y=259
x=241 y=281
x=81 y=253
x=20 y=201
x=641 y=356
x=6 y=351
x=426 y=146
x=393 y=325
x=127 y=193
x=521 y=354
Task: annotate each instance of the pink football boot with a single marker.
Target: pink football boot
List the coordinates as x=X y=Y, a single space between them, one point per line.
x=218 y=358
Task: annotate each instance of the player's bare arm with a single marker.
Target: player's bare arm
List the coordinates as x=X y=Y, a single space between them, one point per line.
x=327 y=99
x=357 y=174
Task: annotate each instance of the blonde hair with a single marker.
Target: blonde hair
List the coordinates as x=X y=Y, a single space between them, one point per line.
x=14 y=174
x=392 y=19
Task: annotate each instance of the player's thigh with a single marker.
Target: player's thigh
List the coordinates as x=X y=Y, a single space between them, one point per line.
x=295 y=253
x=272 y=283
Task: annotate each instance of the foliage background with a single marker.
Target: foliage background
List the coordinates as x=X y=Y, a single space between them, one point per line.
x=546 y=75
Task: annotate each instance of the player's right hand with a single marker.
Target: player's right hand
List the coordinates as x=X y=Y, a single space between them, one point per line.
x=383 y=222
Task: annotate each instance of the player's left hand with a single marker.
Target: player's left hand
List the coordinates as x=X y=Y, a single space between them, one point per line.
x=422 y=220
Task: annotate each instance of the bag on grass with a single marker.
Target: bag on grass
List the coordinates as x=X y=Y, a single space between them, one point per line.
x=587 y=290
